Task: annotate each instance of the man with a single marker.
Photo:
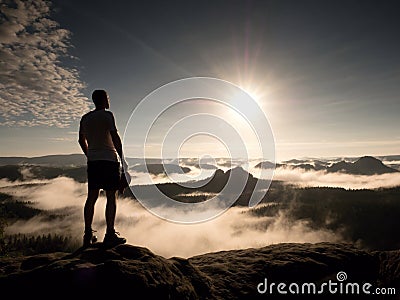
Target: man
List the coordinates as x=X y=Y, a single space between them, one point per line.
x=101 y=143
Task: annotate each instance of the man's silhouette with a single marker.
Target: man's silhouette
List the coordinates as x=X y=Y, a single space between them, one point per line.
x=101 y=143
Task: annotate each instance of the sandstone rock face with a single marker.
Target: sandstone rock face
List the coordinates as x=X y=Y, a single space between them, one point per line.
x=136 y=272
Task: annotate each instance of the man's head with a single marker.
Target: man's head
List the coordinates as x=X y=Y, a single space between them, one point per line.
x=100 y=99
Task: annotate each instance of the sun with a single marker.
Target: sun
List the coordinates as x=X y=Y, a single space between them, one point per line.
x=256 y=91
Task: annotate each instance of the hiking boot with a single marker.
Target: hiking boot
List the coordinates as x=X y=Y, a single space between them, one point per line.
x=89 y=238
x=112 y=239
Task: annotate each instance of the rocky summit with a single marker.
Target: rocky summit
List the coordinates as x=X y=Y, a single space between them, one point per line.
x=137 y=273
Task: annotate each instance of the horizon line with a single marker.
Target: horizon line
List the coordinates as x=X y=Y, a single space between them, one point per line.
x=219 y=157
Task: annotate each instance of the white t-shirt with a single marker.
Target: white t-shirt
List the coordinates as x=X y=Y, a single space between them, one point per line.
x=96 y=126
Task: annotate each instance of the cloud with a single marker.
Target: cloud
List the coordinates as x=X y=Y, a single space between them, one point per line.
x=348 y=181
x=235 y=229
x=232 y=230
x=63 y=199
x=287 y=174
x=35 y=87
x=195 y=173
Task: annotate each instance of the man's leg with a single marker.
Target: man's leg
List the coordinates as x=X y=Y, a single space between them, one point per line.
x=111 y=238
x=111 y=209
x=88 y=210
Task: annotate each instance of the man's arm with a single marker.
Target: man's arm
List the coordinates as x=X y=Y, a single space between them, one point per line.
x=118 y=146
x=83 y=143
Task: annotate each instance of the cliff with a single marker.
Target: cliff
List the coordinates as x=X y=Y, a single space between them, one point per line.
x=136 y=272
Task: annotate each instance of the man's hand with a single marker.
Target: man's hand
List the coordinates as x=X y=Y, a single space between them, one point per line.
x=83 y=143
x=124 y=165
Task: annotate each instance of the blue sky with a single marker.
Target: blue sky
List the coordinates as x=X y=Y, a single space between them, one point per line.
x=326 y=73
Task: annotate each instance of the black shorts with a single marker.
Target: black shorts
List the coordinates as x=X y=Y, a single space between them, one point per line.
x=103 y=174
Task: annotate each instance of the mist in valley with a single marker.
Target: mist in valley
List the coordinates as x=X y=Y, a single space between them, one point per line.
x=304 y=206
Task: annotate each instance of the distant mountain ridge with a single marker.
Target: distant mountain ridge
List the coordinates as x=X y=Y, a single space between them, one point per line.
x=212 y=185
x=60 y=165
x=366 y=165
x=157 y=169
x=48 y=160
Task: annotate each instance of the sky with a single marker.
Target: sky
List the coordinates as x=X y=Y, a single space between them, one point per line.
x=326 y=74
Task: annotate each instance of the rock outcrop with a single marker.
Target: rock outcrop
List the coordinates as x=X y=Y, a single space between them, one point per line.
x=136 y=272
x=366 y=165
